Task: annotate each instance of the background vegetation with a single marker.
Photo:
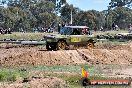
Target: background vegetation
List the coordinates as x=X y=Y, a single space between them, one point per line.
x=32 y=14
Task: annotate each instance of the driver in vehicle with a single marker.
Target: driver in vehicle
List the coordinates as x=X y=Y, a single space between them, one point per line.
x=76 y=32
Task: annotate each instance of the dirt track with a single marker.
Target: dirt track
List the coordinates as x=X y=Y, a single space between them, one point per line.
x=106 y=54
x=37 y=83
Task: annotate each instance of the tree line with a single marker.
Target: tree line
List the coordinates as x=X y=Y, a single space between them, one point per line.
x=30 y=14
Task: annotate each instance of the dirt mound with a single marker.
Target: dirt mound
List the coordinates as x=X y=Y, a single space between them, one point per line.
x=37 y=83
x=35 y=57
x=104 y=56
x=120 y=54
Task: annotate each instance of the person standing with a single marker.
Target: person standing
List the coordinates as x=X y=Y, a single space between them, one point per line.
x=130 y=28
x=59 y=27
x=113 y=26
x=116 y=28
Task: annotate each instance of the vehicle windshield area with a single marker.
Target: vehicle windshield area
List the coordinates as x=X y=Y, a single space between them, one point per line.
x=66 y=31
x=74 y=31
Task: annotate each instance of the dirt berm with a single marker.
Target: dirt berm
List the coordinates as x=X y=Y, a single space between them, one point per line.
x=119 y=54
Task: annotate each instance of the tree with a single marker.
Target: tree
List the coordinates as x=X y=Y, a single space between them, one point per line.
x=44 y=12
x=66 y=13
x=120 y=3
x=27 y=14
x=58 y=4
x=122 y=16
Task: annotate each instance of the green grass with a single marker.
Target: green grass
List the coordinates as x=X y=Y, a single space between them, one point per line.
x=25 y=36
x=109 y=32
x=7 y=75
x=70 y=73
x=38 y=36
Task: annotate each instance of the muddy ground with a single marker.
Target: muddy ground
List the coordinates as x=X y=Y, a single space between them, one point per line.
x=101 y=54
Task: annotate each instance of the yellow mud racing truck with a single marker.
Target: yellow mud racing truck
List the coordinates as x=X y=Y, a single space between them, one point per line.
x=70 y=35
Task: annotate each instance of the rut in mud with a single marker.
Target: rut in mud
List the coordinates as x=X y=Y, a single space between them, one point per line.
x=119 y=54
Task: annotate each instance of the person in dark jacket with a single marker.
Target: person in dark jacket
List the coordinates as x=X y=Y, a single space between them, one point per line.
x=113 y=26
x=130 y=28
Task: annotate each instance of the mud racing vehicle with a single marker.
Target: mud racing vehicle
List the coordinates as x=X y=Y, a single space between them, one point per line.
x=69 y=35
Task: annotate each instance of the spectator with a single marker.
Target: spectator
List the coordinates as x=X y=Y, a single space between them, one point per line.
x=101 y=28
x=113 y=26
x=116 y=27
x=63 y=25
x=1 y=30
x=59 y=27
x=49 y=29
x=9 y=30
x=95 y=28
x=130 y=28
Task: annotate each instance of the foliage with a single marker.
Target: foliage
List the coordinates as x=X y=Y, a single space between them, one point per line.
x=11 y=75
x=121 y=16
x=28 y=14
x=92 y=18
x=66 y=13
x=120 y=3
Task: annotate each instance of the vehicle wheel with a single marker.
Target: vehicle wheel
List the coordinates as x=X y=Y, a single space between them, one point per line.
x=51 y=46
x=61 y=45
x=85 y=81
x=47 y=46
x=90 y=45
